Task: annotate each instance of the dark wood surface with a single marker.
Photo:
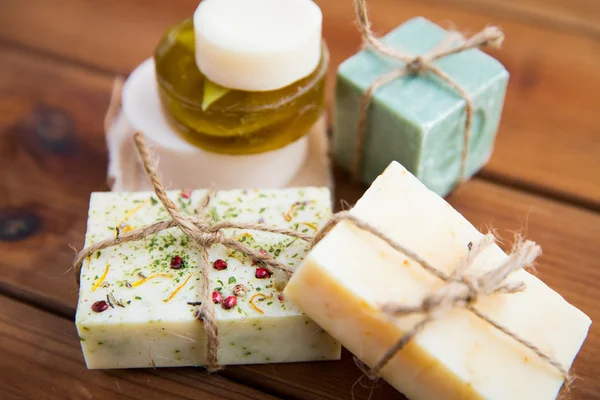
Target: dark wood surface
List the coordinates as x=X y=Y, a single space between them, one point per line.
x=57 y=63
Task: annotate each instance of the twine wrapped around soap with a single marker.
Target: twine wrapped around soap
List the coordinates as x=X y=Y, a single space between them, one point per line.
x=489 y=36
x=203 y=233
x=460 y=289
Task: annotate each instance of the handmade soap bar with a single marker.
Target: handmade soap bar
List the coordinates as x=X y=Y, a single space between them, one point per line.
x=134 y=302
x=351 y=273
x=257 y=45
x=418 y=120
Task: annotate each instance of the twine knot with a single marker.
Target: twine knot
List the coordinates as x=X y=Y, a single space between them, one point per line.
x=457 y=293
x=473 y=289
x=207 y=237
x=417 y=66
x=492 y=37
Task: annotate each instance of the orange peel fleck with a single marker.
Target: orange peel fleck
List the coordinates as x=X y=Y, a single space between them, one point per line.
x=178 y=289
x=259 y=295
x=127 y=228
x=101 y=279
x=288 y=214
x=310 y=225
x=245 y=234
x=128 y=215
x=142 y=281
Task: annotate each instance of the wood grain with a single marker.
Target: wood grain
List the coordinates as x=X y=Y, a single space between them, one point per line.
x=581 y=16
x=40 y=358
x=548 y=141
x=52 y=155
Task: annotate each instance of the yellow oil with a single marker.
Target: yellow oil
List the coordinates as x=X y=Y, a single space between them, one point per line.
x=238 y=122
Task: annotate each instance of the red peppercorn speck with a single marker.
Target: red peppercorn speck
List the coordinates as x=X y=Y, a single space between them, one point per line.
x=262 y=273
x=176 y=262
x=220 y=264
x=216 y=297
x=100 y=306
x=229 y=302
x=186 y=193
x=280 y=297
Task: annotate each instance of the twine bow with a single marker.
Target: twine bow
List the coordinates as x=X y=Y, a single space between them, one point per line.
x=460 y=290
x=463 y=290
x=489 y=36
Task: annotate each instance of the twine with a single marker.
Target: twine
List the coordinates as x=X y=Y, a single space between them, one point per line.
x=460 y=288
x=489 y=36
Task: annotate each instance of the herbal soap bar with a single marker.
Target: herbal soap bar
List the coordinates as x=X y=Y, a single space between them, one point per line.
x=418 y=120
x=136 y=300
x=351 y=273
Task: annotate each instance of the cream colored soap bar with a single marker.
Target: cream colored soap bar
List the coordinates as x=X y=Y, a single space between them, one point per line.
x=133 y=306
x=351 y=273
x=257 y=45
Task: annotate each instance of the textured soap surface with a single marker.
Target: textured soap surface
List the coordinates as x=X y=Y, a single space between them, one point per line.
x=152 y=324
x=351 y=273
x=418 y=121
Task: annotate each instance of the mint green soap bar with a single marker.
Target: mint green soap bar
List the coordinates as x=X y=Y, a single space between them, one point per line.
x=418 y=120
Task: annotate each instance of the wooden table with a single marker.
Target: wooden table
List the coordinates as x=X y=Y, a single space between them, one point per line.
x=58 y=60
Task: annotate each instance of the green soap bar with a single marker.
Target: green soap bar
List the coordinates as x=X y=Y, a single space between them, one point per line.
x=418 y=120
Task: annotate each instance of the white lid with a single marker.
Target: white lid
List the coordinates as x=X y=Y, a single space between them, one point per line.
x=257 y=45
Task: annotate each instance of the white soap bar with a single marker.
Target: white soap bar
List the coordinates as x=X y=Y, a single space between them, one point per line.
x=351 y=273
x=183 y=165
x=257 y=45
x=151 y=322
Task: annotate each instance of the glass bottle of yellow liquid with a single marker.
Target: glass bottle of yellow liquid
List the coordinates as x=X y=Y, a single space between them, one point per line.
x=259 y=114
x=232 y=98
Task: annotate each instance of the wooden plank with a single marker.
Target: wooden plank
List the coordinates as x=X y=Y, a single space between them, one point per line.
x=548 y=138
x=40 y=358
x=63 y=161
x=582 y=16
x=52 y=155
x=120 y=35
